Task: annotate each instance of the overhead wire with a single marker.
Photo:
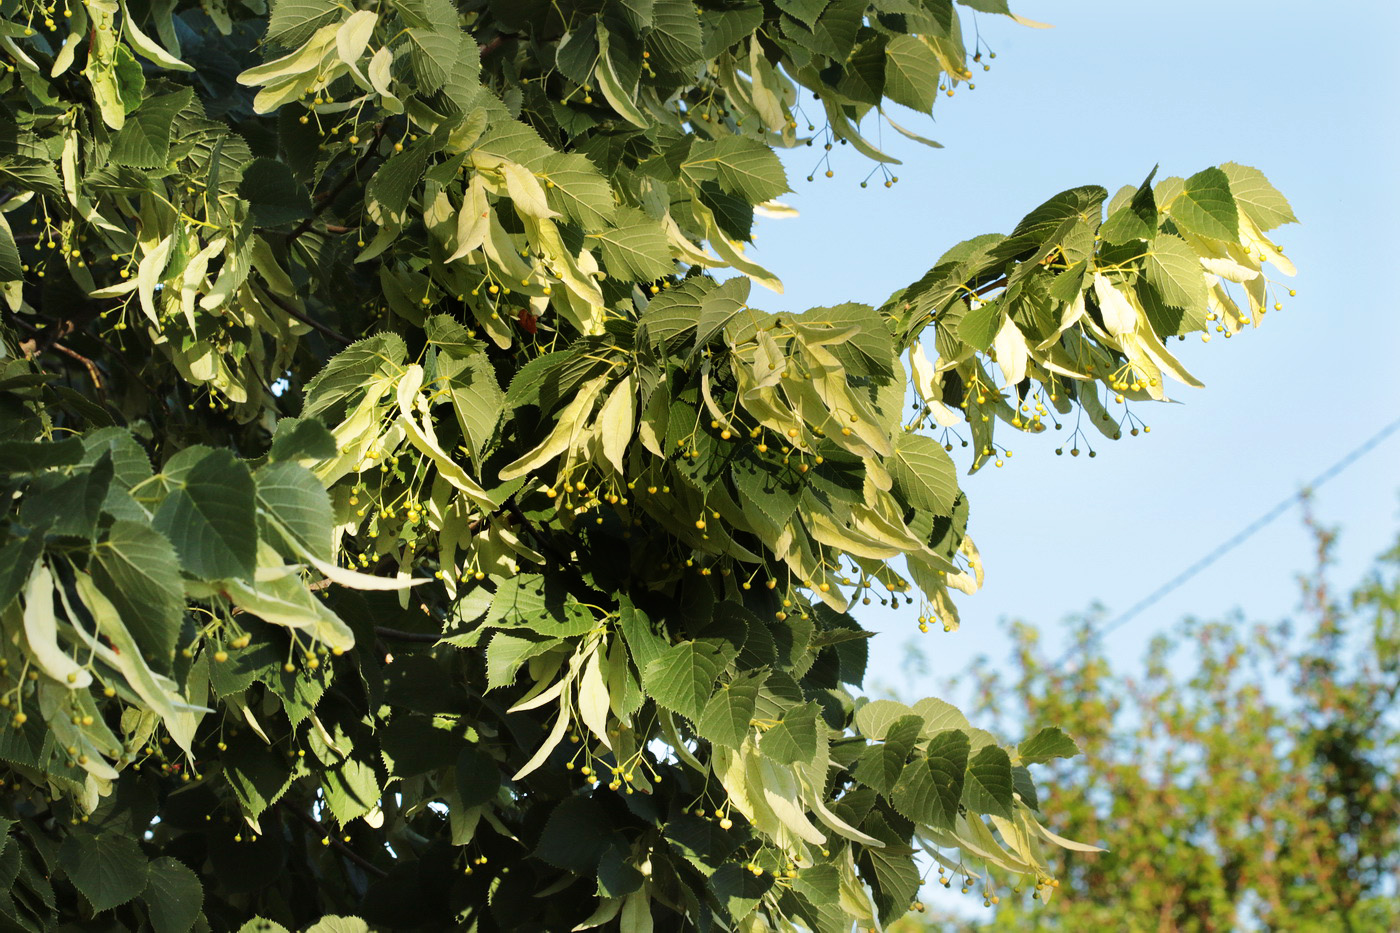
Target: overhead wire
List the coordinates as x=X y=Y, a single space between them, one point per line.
x=1234 y=541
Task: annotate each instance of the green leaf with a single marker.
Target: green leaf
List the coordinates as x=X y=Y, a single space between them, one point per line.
x=938 y=787
x=767 y=489
x=1257 y=197
x=675 y=42
x=638 y=13
x=138 y=570
x=262 y=925
x=733 y=214
x=478 y=776
x=947 y=757
x=742 y=166
x=896 y=877
x=1053 y=218
x=875 y=718
x=1123 y=225
x=348 y=371
x=701 y=842
x=636 y=250
x=1206 y=206
x=1136 y=220
x=210 y=515
x=865 y=349
x=274 y=195
x=979 y=325
x=579 y=191
x=940 y=715
x=351 y=789
x=1046 y=744
x=450 y=337
x=989 y=786
x=506 y=653
x=11 y=268
x=794 y=738
x=727 y=715
x=1174 y=269
x=1025 y=786
x=173 y=896
x=540 y=604
x=35 y=456
x=724 y=27
x=434 y=52
x=699 y=304
x=68 y=505
x=337 y=924
x=478 y=401
x=911 y=73
x=617 y=878
x=108 y=868
x=683 y=678
x=575 y=835
x=880 y=765
x=643 y=642
x=256 y=773
x=17 y=558
x=619 y=94
x=388 y=192
x=293 y=21
x=129 y=461
x=739 y=890
x=301 y=439
x=924 y=475
x=414 y=744
x=296 y=504
x=804 y=11
x=144 y=139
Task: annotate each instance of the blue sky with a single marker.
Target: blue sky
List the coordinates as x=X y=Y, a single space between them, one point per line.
x=1307 y=96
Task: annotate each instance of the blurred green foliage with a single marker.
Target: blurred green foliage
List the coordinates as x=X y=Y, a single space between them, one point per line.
x=1242 y=778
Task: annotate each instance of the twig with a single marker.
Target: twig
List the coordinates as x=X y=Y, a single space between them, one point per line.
x=340 y=846
x=991 y=287
x=425 y=638
x=492 y=46
x=91 y=368
x=327 y=198
x=288 y=307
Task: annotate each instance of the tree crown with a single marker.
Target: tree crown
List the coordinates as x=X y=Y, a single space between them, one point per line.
x=406 y=515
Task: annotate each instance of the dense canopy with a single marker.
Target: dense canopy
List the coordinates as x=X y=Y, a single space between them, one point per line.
x=412 y=517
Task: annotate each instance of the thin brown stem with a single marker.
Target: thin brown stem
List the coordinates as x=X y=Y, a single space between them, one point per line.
x=291 y=310
x=424 y=638
x=340 y=846
x=326 y=199
x=90 y=366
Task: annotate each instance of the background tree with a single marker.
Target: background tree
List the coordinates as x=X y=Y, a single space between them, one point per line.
x=1259 y=790
x=404 y=520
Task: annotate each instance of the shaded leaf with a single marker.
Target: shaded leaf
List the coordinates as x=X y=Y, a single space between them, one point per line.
x=209 y=514
x=173 y=896
x=108 y=868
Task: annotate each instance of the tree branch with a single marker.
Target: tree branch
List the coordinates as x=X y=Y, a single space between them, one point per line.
x=326 y=199
x=340 y=846
x=291 y=310
x=424 y=638
x=91 y=368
